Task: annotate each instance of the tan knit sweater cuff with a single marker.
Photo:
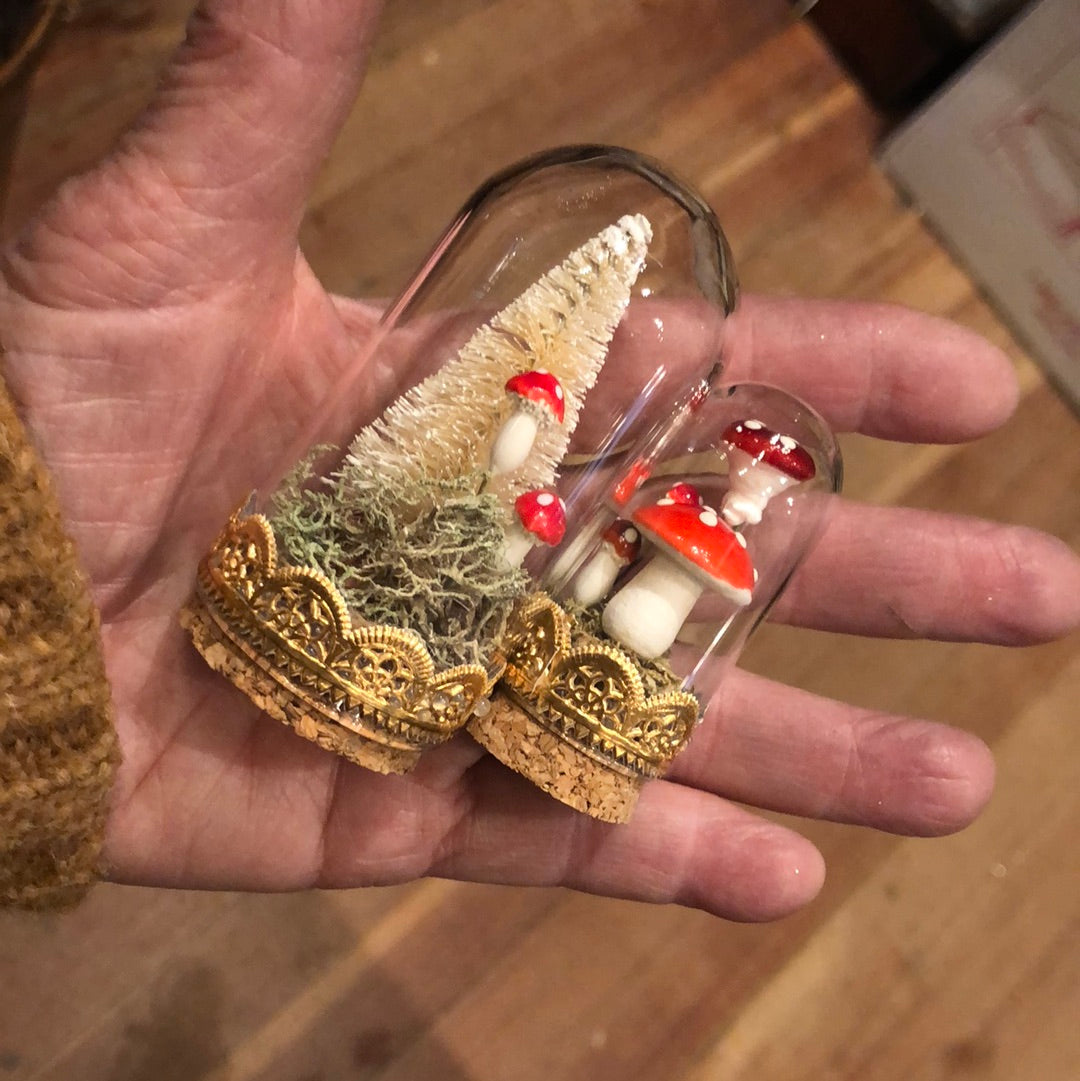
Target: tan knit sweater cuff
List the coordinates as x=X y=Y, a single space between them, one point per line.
x=57 y=743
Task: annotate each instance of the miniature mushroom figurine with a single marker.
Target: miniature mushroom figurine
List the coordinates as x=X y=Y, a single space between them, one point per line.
x=537 y=399
x=583 y=586
x=696 y=551
x=539 y=518
x=683 y=493
x=630 y=482
x=620 y=545
x=761 y=463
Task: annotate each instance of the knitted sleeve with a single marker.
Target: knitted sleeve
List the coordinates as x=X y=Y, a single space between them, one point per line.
x=57 y=744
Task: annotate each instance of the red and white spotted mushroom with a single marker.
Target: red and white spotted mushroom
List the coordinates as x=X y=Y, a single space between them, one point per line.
x=761 y=463
x=683 y=493
x=539 y=518
x=620 y=545
x=537 y=398
x=695 y=551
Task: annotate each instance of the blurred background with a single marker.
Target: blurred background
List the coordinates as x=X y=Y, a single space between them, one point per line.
x=929 y=959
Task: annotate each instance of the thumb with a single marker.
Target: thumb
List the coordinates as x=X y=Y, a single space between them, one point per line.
x=250 y=105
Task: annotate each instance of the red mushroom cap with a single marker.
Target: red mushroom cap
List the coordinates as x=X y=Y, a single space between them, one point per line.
x=543 y=514
x=683 y=493
x=630 y=481
x=701 y=539
x=771 y=448
x=539 y=387
x=624 y=539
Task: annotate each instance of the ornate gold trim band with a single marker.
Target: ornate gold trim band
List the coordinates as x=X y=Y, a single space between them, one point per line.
x=291 y=624
x=576 y=719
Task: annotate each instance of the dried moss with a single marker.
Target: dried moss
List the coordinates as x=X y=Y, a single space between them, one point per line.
x=419 y=553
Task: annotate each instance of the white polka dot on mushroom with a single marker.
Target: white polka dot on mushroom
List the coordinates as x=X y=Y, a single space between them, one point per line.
x=545 y=499
x=708 y=517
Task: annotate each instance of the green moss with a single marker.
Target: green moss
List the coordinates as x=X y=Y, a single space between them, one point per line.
x=412 y=552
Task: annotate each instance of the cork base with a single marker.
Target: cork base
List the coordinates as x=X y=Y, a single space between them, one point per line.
x=558 y=767
x=276 y=700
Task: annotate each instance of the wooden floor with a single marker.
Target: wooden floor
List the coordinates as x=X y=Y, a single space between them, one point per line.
x=956 y=958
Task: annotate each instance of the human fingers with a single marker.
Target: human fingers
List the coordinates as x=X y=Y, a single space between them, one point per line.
x=902 y=573
x=880 y=369
x=784 y=749
x=681 y=846
x=461 y=814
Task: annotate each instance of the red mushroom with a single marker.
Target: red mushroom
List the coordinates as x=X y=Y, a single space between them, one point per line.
x=621 y=493
x=760 y=463
x=539 y=518
x=620 y=545
x=683 y=493
x=537 y=399
x=572 y=557
x=630 y=482
x=696 y=551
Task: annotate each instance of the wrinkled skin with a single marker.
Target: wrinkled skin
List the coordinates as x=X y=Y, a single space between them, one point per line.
x=165 y=338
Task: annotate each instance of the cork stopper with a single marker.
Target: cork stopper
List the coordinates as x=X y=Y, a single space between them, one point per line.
x=555 y=765
x=284 y=704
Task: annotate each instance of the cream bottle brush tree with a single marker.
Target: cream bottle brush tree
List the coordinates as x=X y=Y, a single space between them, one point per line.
x=412 y=527
x=562 y=324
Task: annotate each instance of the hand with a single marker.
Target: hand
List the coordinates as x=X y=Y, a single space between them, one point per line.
x=165 y=338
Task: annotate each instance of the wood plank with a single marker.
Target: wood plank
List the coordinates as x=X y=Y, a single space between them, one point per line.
x=366 y=237
x=369 y=1006
x=895 y=985
x=125 y=957
x=512 y=1027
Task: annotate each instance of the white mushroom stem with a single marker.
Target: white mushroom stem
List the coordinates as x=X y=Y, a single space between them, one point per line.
x=519 y=542
x=752 y=485
x=567 y=563
x=597 y=576
x=646 y=614
x=514 y=441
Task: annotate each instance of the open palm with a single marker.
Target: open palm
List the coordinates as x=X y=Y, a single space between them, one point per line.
x=165 y=339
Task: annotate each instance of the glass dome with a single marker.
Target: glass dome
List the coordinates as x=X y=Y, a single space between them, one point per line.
x=676 y=547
